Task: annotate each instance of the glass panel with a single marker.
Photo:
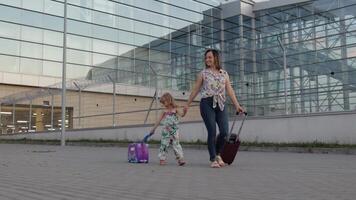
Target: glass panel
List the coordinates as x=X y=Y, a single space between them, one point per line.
x=54 y=38
x=36 y=5
x=79 y=28
x=125 y=63
x=104 y=19
x=79 y=57
x=124 y=50
x=104 y=61
x=86 y=3
x=81 y=14
x=54 y=8
x=78 y=42
x=11 y=47
x=9 y=30
x=31 y=50
x=105 y=47
x=53 y=23
x=126 y=24
x=77 y=71
x=52 y=69
x=105 y=33
x=9 y=63
x=32 y=34
x=126 y=37
x=142 y=53
x=105 y=6
x=31 y=18
x=143 y=40
x=30 y=66
x=52 y=53
x=10 y=14
x=16 y=3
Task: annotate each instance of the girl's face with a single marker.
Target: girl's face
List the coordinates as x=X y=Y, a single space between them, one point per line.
x=165 y=104
x=209 y=59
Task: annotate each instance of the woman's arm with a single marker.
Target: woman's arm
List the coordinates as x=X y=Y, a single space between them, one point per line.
x=157 y=123
x=231 y=93
x=195 y=91
x=181 y=114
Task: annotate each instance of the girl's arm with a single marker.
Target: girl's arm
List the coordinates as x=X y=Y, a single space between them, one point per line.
x=157 y=123
x=231 y=93
x=181 y=114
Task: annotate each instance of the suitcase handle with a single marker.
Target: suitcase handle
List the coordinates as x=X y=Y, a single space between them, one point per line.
x=233 y=124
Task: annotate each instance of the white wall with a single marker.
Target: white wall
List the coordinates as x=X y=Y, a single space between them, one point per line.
x=331 y=128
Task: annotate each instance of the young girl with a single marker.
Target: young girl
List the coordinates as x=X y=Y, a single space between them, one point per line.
x=170 y=131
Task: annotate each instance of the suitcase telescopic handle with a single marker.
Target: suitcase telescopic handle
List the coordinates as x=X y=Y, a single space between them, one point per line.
x=233 y=124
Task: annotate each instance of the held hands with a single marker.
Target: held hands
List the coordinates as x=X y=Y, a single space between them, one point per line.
x=185 y=110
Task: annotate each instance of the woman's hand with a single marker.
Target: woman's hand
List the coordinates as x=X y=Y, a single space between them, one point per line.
x=239 y=109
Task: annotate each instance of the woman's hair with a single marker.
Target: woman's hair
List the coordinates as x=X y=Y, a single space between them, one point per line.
x=216 y=58
x=167 y=97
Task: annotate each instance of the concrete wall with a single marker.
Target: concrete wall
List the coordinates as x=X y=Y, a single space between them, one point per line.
x=96 y=103
x=335 y=127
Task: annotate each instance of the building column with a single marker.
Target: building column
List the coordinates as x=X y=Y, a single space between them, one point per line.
x=301 y=70
x=344 y=66
x=254 y=68
x=243 y=95
x=39 y=120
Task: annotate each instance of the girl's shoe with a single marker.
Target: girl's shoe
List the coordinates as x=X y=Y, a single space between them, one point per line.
x=162 y=162
x=220 y=161
x=214 y=164
x=181 y=162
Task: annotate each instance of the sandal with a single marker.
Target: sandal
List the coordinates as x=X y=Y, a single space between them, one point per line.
x=162 y=162
x=220 y=161
x=181 y=162
x=214 y=164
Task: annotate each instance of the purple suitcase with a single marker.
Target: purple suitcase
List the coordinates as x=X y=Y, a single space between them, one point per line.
x=232 y=143
x=138 y=152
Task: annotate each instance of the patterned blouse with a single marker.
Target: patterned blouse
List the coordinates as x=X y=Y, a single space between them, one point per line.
x=214 y=86
x=170 y=123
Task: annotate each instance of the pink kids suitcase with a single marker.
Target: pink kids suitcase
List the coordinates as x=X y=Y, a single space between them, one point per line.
x=138 y=152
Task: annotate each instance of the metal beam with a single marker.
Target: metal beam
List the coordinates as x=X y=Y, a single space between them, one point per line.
x=64 y=76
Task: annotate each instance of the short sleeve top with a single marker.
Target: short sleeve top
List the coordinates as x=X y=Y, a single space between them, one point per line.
x=214 y=86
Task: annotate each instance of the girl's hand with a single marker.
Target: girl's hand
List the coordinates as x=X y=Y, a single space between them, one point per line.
x=145 y=139
x=184 y=113
x=185 y=110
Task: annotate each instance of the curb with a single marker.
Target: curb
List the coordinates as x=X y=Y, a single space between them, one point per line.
x=314 y=150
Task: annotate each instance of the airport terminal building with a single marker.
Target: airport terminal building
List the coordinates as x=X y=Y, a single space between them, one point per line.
x=284 y=58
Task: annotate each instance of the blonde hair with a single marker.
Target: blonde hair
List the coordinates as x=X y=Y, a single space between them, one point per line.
x=167 y=97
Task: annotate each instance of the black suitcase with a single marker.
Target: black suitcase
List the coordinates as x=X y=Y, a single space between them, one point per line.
x=232 y=143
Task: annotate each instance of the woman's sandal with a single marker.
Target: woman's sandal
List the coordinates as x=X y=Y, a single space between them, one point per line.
x=214 y=164
x=220 y=161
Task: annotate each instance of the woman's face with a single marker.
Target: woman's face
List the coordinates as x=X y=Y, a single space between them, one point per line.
x=209 y=59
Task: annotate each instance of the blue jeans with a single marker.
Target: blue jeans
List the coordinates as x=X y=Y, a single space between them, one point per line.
x=211 y=117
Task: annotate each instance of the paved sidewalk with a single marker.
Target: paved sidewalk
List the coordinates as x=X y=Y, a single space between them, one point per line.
x=74 y=172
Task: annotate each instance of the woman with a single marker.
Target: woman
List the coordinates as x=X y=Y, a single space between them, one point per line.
x=212 y=82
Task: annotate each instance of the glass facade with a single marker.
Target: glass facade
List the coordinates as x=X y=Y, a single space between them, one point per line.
x=319 y=39
x=137 y=39
x=104 y=35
